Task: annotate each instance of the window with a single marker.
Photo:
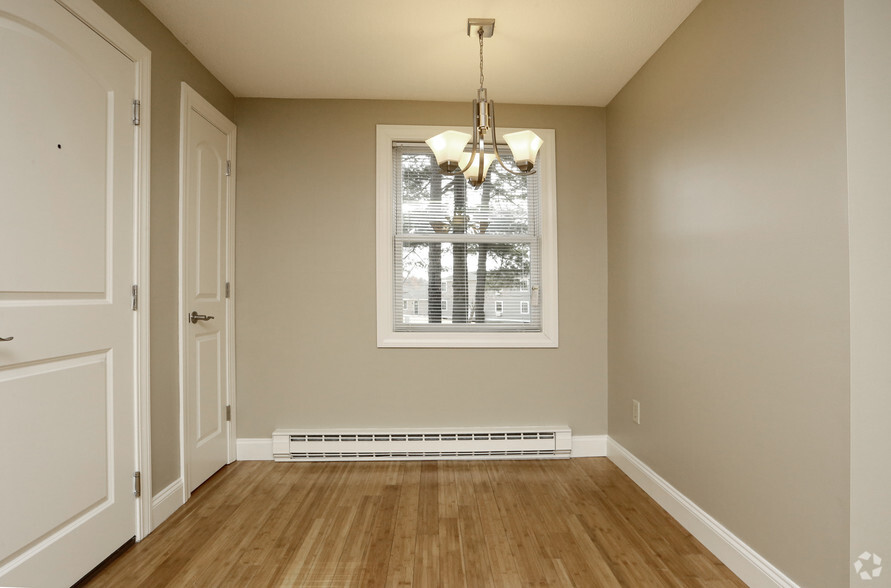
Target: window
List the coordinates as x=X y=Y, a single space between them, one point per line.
x=455 y=247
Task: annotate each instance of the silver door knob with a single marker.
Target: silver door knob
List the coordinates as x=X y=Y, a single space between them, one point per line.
x=195 y=317
x=4 y=339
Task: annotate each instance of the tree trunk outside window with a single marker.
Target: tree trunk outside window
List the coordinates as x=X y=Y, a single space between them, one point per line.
x=434 y=272
x=479 y=306
x=460 y=295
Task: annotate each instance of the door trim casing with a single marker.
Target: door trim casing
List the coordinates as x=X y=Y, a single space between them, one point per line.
x=115 y=34
x=192 y=100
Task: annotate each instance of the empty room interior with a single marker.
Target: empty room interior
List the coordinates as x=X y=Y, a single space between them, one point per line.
x=256 y=329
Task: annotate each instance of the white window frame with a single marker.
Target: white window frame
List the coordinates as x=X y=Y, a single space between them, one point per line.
x=524 y=304
x=499 y=307
x=386 y=335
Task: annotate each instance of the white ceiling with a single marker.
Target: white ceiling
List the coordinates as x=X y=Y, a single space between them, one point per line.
x=576 y=52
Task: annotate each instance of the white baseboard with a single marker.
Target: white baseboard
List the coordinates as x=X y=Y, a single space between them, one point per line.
x=589 y=445
x=253 y=449
x=166 y=502
x=742 y=560
x=261 y=449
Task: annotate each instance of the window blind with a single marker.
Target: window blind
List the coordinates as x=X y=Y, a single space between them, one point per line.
x=465 y=259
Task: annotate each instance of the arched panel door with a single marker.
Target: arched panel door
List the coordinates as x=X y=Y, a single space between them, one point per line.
x=67 y=250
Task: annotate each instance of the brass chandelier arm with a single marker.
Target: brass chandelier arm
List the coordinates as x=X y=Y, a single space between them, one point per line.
x=495 y=146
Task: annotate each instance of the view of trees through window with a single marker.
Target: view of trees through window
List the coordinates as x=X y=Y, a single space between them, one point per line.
x=468 y=256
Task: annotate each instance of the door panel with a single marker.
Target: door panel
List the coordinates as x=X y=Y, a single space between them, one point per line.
x=54 y=155
x=207 y=148
x=63 y=387
x=210 y=200
x=67 y=177
x=210 y=390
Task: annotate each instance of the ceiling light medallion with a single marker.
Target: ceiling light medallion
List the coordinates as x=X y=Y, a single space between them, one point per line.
x=450 y=146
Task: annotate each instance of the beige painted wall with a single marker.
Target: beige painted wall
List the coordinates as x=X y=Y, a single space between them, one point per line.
x=305 y=253
x=868 y=63
x=171 y=64
x=728 y=273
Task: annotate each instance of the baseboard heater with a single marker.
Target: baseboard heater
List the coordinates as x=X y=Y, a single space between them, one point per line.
x=422 y=444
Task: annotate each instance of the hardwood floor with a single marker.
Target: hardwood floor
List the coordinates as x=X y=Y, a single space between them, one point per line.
x=578 y=522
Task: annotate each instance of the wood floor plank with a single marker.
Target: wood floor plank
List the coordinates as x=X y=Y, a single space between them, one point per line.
x=578 y=522
x=451 y=562
x=266 y=556
x=426 y=567
x=427 y=559
x=580 y=558
x=376 y=559
x=474 y=555
x=327 y=570
x=512 y=501
x=400 y=569
x=505 y=570
x=428 y=502
x=365 y=497
x=319 y=506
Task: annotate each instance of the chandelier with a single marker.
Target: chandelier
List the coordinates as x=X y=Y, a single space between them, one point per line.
x=450 y=147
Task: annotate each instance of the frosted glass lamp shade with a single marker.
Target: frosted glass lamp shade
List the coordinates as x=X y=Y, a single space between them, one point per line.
x=448 y=147
x=472 y=172
x=524 y=145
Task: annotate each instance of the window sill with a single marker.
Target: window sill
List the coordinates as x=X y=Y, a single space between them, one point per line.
x=466 y=340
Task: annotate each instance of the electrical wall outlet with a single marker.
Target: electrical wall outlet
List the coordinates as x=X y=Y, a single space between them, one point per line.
x=635 y=411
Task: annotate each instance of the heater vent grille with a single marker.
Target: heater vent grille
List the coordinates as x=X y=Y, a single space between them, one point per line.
x=496 y=443
x=384 y=437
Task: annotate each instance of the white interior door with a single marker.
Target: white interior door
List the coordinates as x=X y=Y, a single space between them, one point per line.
x=67 y=234
x=208 y=153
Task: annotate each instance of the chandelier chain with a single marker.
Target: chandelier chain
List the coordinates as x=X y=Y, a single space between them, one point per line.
x=480 y=33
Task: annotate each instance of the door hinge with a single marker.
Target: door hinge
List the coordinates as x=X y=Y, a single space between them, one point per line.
x=137 y=110
x=228 y=290
x=228 y=413
x=137 y=484
x=228 y=168
x=134 y=293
